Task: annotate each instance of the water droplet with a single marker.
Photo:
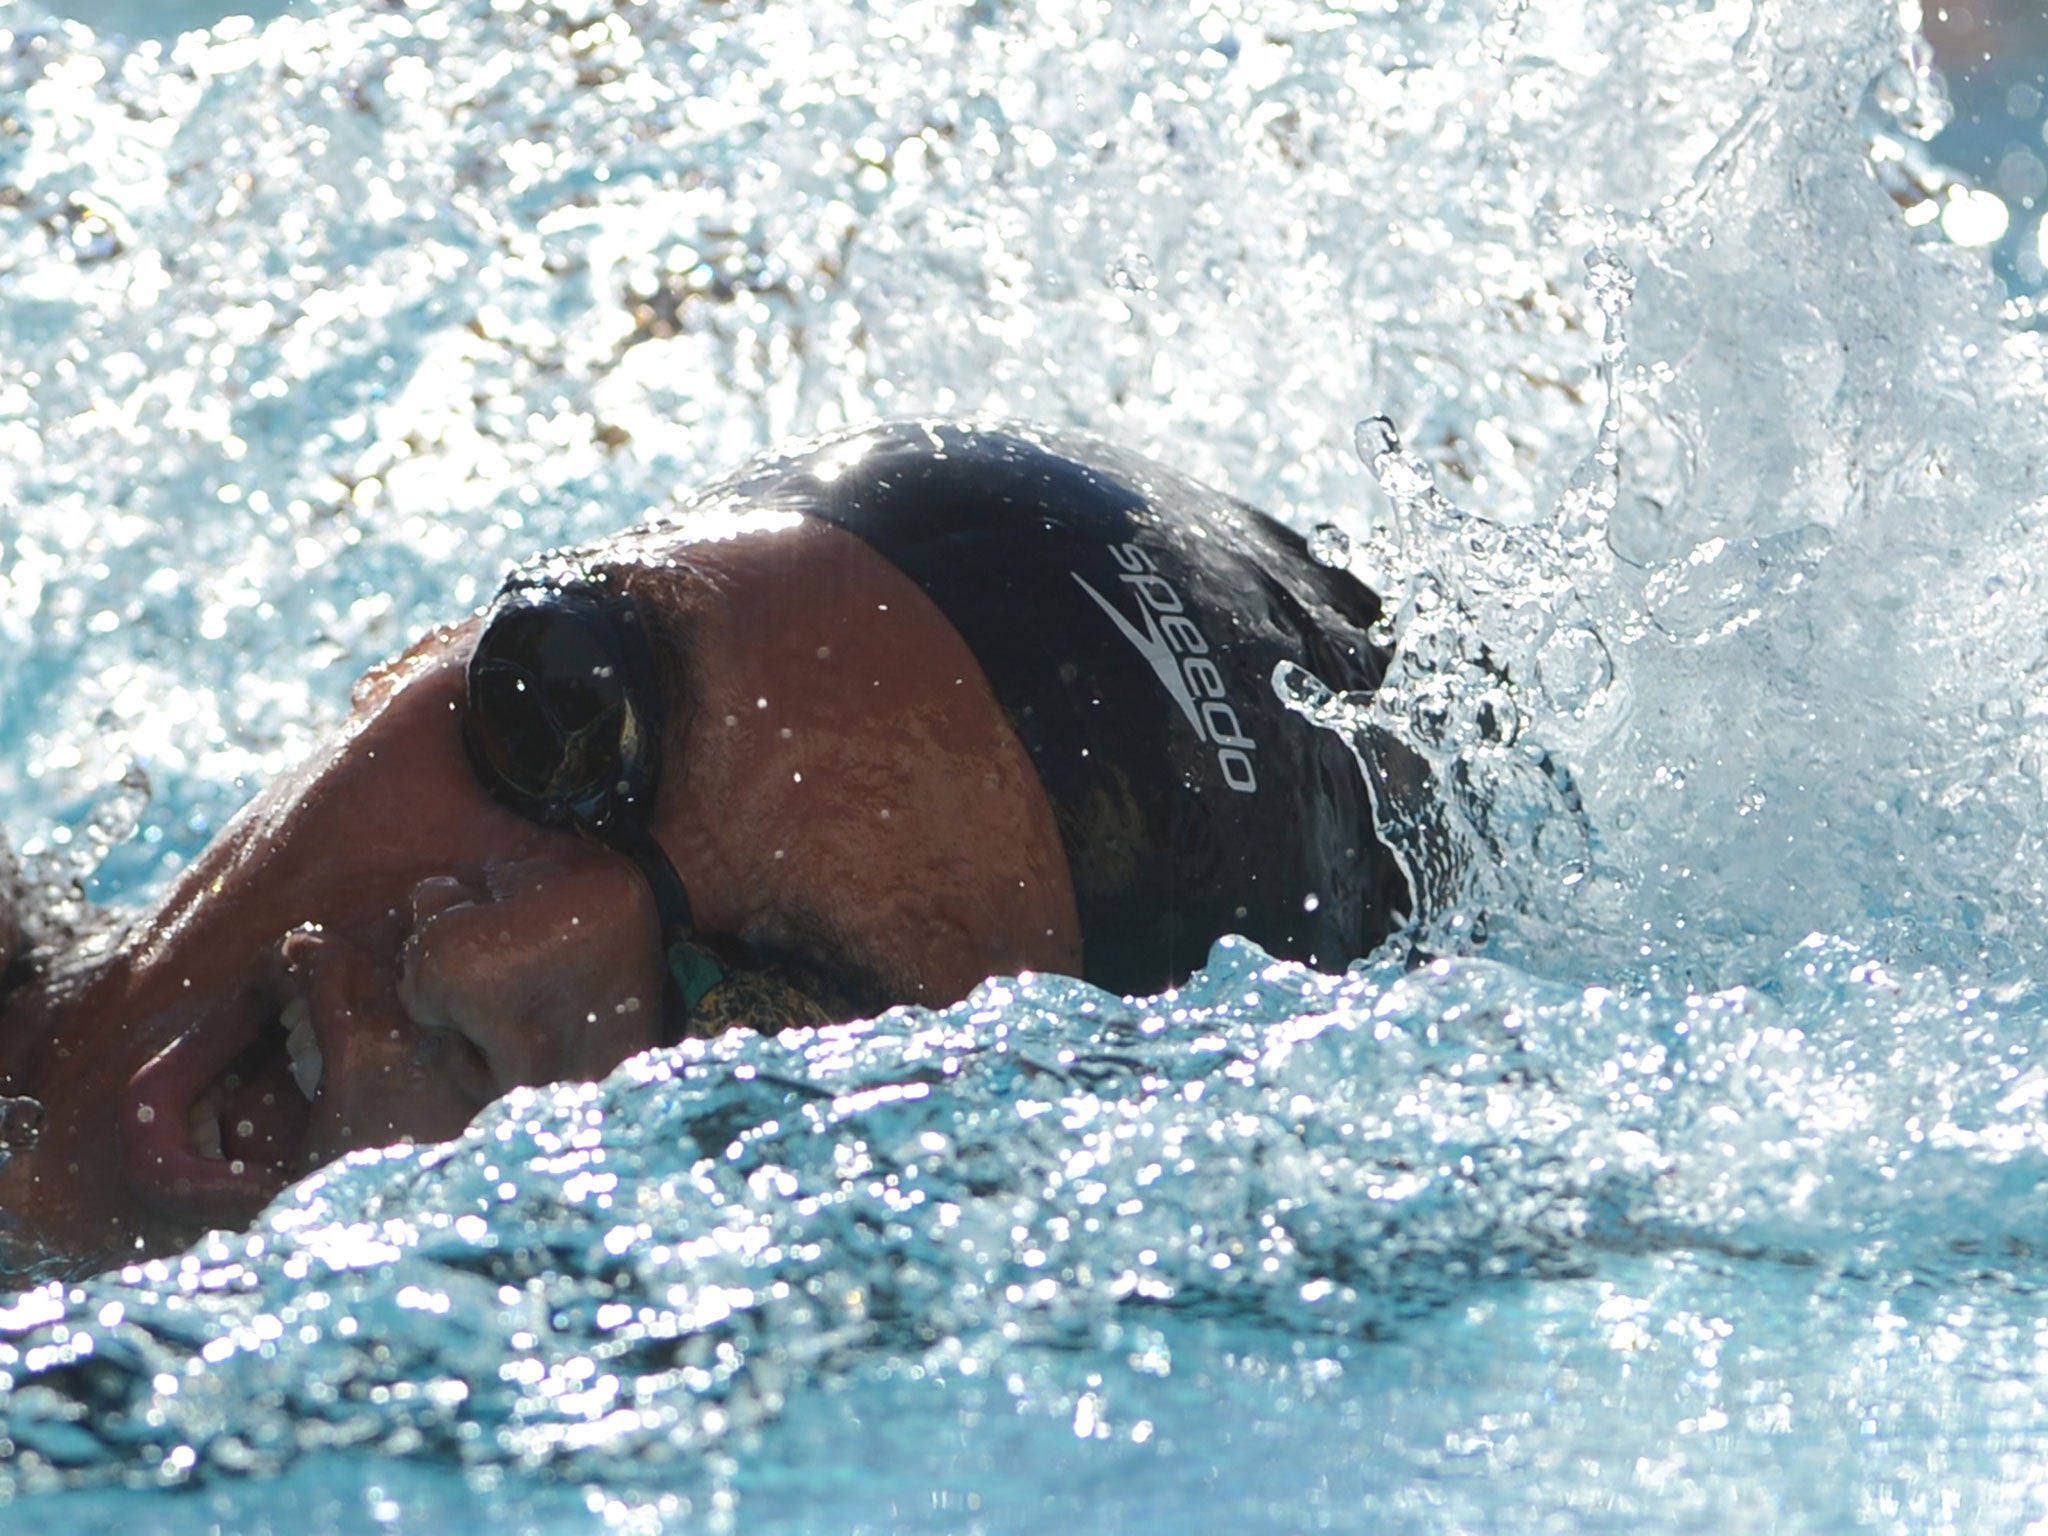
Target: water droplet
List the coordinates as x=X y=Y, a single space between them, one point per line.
x=1372 y=438
x=1609 y=281
x=21 y=1124
x=1574 y=668
x=1133 y=272
x=1330 y=545
x=1911 y=93
x=91 y=233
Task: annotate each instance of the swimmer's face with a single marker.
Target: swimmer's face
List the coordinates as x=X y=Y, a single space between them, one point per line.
x=377 y=948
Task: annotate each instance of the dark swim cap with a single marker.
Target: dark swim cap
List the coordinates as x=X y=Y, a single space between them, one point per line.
x=1129 y=620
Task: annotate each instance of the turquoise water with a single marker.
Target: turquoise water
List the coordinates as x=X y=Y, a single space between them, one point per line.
x=1700 y=1193
x=164 y=21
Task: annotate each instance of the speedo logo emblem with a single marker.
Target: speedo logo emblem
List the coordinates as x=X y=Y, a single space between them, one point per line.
x=1179 y=653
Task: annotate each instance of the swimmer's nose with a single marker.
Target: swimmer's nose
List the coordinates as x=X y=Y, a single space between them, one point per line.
x=548 y=973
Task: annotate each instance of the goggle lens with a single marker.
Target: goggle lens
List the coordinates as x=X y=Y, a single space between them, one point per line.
x=554 y=716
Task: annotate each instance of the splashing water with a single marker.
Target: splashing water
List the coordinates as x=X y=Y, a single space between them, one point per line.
x=1694 y=1189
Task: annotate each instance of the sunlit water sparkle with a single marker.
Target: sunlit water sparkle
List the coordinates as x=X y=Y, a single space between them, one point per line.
x=1704 y=1196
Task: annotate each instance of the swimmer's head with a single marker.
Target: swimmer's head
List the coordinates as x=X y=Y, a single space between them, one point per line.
x=954 y=704
x=1129 y=620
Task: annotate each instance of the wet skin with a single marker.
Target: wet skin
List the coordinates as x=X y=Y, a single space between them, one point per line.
x=841 y=757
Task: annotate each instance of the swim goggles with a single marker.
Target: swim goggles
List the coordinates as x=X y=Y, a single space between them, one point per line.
x=565 y=727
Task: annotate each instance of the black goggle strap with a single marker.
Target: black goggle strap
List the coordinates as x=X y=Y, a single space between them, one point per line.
x=693 y=972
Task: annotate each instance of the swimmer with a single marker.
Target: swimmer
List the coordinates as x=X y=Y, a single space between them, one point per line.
x=862 y=726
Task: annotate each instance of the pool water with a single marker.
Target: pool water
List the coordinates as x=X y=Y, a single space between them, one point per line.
x=136 y=22
x=1699 y=1190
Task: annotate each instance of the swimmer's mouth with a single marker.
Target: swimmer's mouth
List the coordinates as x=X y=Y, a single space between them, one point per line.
x=248 y=1114
x=217 y=1120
